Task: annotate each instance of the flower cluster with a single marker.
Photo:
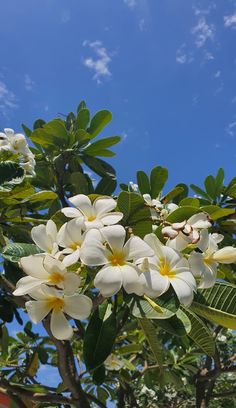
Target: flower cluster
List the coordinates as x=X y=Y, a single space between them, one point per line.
x=16 y=143
x=92 y=239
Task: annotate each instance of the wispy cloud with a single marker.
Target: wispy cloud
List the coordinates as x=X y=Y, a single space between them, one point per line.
x=183 y=56
x=230 y=21
x=65 y=16
x=203 y=32
x=8 y=100
x=29 y=83
x=217 y=74
x=99 y=64
x=130 y=3
x=231 y=129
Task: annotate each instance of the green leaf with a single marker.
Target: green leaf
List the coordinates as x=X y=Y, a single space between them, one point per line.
x=216 y=212
x=190 y=201
x=42 y=195
x=82 y=105
x=152 y=338
x=199 y=191
x=53 y=133
x=217 y=304
x=210 y=186
x=182 y=213
x=83 y=118
x=99 y=166
x=13 y=252
x=200 y=333
x=106 y=186
x=143 y=183
x=130 y=349
x=11 y=172
x=99 y=375
x=99 y=121
x=158 y=178
x=172 y=194
x=4 y=342
x=79 y=183
x=178 y=325
x=168 y=302
x=96 y=148
x=130 y=203
x=219 y=181
x=99 y=336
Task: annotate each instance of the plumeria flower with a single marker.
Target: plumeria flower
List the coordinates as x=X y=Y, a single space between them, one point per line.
x=158 y=209
x=29 y=165
x=96 y=214
x=183 y=233
x=48 y=300
x=113 y=363
x=167 y=267
x=15 y=142
x=117 y=257
x=45 y=237
x=43 y=269
x=204 y=265
x=71 y=238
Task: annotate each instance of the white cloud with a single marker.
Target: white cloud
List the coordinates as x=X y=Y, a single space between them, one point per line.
x=203 y=32
x=8 y=99
x=29 y=83
x=65 y=16
x=217 y=74
x=230 y=21
x=231 y=129
x=99 y=65
x=130 y=3
x=183 y=56
x=142 y=24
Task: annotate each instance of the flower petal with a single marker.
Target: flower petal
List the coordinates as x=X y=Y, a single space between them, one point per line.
x=71 y=212
x=78 y=306
x=37 y=310
x=225 y=255
x=51 y=230
x=154 y=284
x=196 y=262
x=71 y=283
x=93 y=254
x=26 y=285
x=203 y=243
x=199 y=221
x=111 y=219
x=179 y=243
x=83 y=203
x=109 y=280
x=53 y=265
x=33 y=265
x=59 y=325
x=136 y=248
x=41 y=239
x=208 y=277
x=103 y=205
x=130 y=278
x=72 y=258
x=115 y=236
x=183 y=291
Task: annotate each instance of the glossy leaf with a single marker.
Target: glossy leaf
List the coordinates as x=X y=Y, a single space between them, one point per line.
x=99 y=121
x=158 y=178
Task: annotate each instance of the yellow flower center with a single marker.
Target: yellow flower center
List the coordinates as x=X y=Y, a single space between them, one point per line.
x=56 y=278
x=56 y=303
x=91 y=218
x=75 y=245
x=165 y=269
x=208 y=261
x=117 y=258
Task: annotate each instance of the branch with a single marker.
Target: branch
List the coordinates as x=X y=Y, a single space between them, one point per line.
x=67 y=368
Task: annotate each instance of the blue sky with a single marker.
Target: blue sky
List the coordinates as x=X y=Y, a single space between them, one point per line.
x=166 y=69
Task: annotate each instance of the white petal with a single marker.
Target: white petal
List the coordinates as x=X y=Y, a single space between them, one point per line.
x=225 y=255
x=196 y=262
x=186 y=276
x=183 y=291
x=169 y=232
x=78 y=306
x=131 y=281
x=148 y=199
x=51 y=230
x=136 y=248
x=171 y=256
x=93 y=235
x=109 y=280
x=71 y=212
x=179 y=243
x=93 y=224
x=71 y=283
x=204 y=240
x=83 y=203
x=111 y=219
x=60 y=327
x=199 y=220
x=37 y=310
x=72 y=258
x=93 y=255
x=154 y=284
x=208 y=277
x=74 y=229
x=41 y=239
x=53 y=265
x=154 y=243
x=103 y=205
x=33 y=265
x=115 y=236
x=26 y=285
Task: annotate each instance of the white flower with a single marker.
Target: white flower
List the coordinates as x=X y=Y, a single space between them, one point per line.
x=72 y=239
x=51 y=300
x=183 y=233
x=95 y=215
x=45 y=237
x=113 y=363
x=15 y=142
x=117 y=256
x=204 y=265
x=29 y=165
x=167 y=267
x=158 y=209
x=43 y=269
x=133 y=186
